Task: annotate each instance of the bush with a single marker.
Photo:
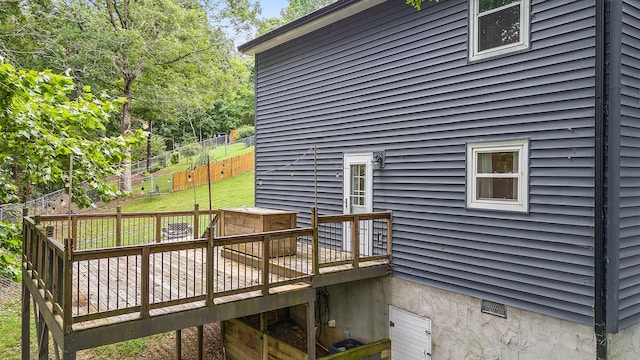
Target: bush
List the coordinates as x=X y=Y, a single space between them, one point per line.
x=139 y=150
x=174 y=158
x=190 y=150
x=155 y=167
x=11 y=245
x=244 y=132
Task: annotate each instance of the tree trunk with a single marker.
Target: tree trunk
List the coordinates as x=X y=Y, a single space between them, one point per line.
x=125 y=128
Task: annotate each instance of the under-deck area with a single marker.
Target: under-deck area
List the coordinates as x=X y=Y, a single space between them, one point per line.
x=99 y=279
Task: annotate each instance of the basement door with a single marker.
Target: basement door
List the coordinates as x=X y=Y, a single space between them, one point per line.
x=410 y=335
x=358 y=198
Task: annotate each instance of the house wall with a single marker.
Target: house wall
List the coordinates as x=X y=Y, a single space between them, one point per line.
x=629 y=149
x=459 y=330
x=359 y=307
x=395 y=79
x=625 y=345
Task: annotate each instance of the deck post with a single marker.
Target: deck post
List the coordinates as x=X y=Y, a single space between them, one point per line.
x=43 y=340
x=355 y=241
x=196 y=220
x=119 y=226
x=200 y=342
x=264 y=341
x=266 y=240
x=210 y=251
x=178 y=344
x=144 y=285
x=389 y=226
x=315 y=267
x=26 y=296
x=74 y=230
x=68 y=355
x=311 y=329
x=26 y=329
x=158 y=228
x=67 y=268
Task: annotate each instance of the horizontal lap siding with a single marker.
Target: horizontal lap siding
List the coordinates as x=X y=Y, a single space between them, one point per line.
x=630 y=167
x=398 y=80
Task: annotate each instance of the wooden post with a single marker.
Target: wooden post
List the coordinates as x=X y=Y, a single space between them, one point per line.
x=74 y=230
x=200 y=342
x=389 y=227
x=158 y=228
x=144 y=288
x=67 y=268
x=26 y=296
x=178 y=344
x=26 y=328
x=264 y=342
x=196 y=220
x=355 y=241
x=311 y=330
x=266 y=239
x=210 y=251
x=315 y=267
x=119 y=226
x=43 y=340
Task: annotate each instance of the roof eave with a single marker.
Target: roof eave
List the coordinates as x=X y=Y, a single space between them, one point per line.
x=328 y=15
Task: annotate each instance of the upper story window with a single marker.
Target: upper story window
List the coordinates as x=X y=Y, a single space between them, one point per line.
x=497 y=175
x=497 y=27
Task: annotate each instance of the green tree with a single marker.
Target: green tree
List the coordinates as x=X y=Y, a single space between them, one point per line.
x=163 y=56
x=295 y=9
x=41 y=128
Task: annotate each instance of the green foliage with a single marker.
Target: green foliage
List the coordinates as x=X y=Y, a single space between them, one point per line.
x=155 y=167
x=190 y=150
x=418 y=3
x=174 y=158
x=139 y=150
x=11 y=243
x=42 y=126
x=245 y=132
x=295 y=10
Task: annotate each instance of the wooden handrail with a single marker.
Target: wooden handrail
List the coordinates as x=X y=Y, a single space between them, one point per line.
x=323 y=219
x=46 y=254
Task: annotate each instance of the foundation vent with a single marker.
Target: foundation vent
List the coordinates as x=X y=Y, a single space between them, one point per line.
x=494 y=308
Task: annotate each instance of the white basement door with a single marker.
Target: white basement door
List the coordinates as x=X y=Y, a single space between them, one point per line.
x=410 y=335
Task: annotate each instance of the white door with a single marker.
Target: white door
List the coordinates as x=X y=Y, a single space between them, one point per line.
x=410 y=335
x=358 y=198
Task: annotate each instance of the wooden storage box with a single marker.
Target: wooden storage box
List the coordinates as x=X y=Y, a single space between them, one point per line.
x=253 y=220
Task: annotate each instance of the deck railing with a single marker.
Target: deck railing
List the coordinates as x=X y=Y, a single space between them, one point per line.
x=101 y=274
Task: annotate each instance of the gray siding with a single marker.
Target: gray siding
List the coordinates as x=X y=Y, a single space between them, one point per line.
x=630 y=166
x=398 y=80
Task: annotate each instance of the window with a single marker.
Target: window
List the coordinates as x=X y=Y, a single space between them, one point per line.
x=497 y=175
x=497 y=27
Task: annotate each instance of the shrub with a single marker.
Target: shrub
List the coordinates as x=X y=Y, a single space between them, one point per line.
x=244 y=132
x=139 y=150
x=190 y=150
x=174 y=158
x=155 y=167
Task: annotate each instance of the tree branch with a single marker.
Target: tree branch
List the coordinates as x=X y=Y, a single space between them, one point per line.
x=184 y=56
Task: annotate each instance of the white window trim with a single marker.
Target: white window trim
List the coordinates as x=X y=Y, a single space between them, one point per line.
x=474 y=54
x=522 y=204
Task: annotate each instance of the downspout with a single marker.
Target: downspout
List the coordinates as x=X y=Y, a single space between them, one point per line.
x=599 y=191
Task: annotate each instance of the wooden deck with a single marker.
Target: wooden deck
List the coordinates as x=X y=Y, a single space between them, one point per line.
x=92 y=297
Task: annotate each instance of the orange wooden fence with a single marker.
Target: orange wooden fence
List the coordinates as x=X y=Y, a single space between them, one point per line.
x=219 y=170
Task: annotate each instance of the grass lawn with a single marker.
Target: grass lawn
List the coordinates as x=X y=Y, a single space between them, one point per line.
x=232 y=192
x=220 y=153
